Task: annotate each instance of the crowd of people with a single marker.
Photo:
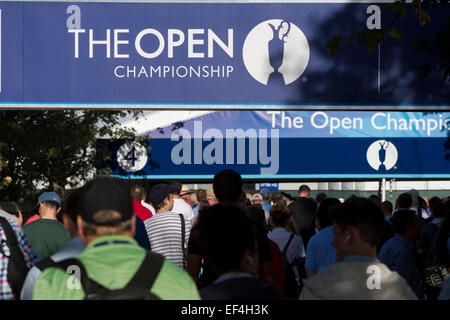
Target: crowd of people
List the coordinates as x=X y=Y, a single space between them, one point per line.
x=105 y=240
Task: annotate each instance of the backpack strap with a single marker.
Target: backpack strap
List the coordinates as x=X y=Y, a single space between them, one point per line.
x=11 y=239
x=183 y=235
x=138 y=287
x=17 y=267
x=46 y=263
x=288 y=243
x=146 y=275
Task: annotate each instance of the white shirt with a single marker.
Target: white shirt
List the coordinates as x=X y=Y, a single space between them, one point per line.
x=7 y=215
x=180 y=206
x=148 y=206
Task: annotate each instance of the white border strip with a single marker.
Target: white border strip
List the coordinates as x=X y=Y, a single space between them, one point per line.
x=226 y=107
x=217 y=1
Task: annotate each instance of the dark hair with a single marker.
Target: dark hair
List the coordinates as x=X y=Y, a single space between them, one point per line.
x=287 y=195
x=375 y=198
x=404 y=201
x=71 y=204
x=137 y=192
x=320 y=196
x=402 y=219
x=255 y=213
x=439 y=210
x=201 y=195
x=362 y=214
x=323 y=211
x=387 y=206
x=10 y=207
x=227 y=186
x=304 y=188
x=434 y=200
x=176 y=184
x=215 y=226
x=279 y=215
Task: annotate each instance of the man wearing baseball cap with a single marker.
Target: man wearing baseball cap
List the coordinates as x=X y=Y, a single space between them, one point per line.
x=47 y=235
x=167 y=231
x=257 y=199
x=113 y=265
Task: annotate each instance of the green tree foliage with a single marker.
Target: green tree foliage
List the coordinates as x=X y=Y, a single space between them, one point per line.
x=53 y=148
x=436 y=45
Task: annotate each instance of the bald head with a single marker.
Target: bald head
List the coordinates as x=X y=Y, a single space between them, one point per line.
x=138 y=193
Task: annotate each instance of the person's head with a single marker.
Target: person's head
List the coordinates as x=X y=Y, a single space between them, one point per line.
x=239 y=252
x=279 y=216
x=12 y=208
x=227 y=186
x=322 y=215
x=357 y=225
x=304 y=191
x=186 y=193
x=433 y=201
x=201 y=195
x=256 y=214
x=257 y=198
x=105 y=208
x=138 y=193
x=375 y=198
x=49 y=204
x=265 y=194
x=438 y=210
x=319 y=197
x=404 y=201
x=70 y=211
x=162 y=196
x=414 y=197
x=175 y=187
x=407 y=223
x=387 y=208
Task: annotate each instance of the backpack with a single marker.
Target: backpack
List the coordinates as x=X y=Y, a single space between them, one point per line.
x=292 y=283
x=436 y=273
x=17 y=267
x=138 y=288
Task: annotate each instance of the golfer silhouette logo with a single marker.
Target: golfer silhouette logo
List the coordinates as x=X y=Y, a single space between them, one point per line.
x=382 y=155
x=276 y=52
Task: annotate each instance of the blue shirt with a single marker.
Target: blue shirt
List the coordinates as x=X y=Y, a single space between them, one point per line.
x=398 y=253
x=141 y=235
x=195 y=210
x=266 y=206
x=72 y=249
x=445 y=292
x=320 y=254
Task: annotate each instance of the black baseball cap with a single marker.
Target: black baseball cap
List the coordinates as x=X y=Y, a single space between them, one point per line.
x=160 y=192
x=105 y=193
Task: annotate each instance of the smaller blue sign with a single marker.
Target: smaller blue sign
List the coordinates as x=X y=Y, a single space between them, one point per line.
x=268 y=186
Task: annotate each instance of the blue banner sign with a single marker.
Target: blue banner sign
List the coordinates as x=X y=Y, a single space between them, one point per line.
x=290 y=145
x=211 y=55
x=269 y=186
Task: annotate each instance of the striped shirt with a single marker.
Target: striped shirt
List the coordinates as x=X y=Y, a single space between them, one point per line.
x=28 y=253
x=164 y=233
